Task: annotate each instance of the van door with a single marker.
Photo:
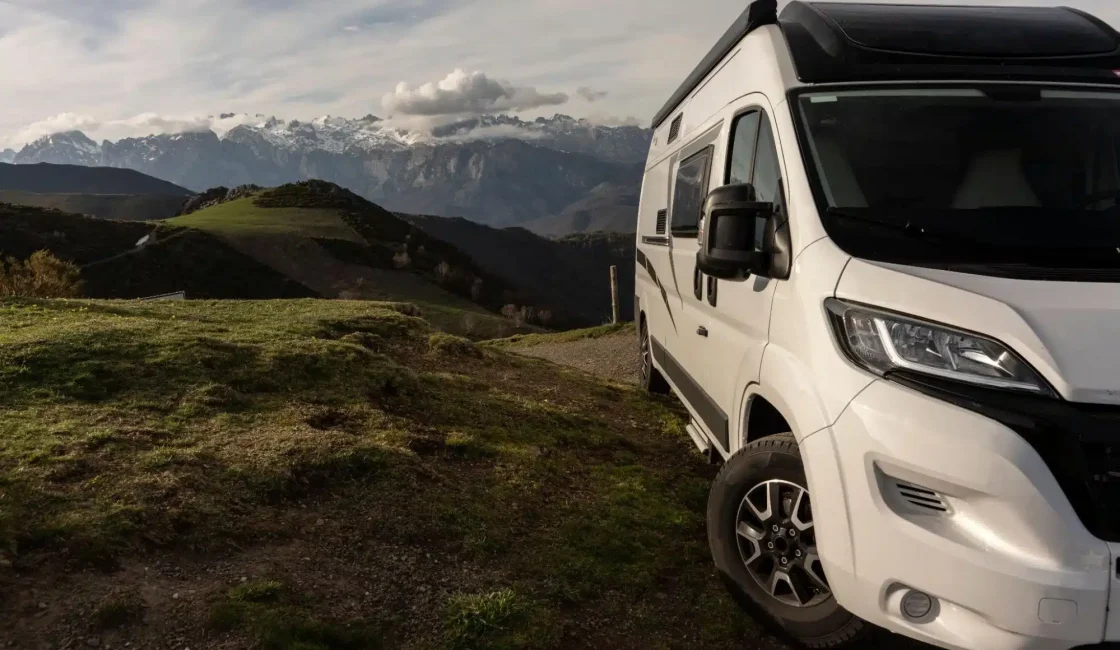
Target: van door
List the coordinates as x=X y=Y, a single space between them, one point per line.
x=738 y=313
x=686 y=355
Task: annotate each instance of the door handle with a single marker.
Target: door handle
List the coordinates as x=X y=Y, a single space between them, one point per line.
x=702 y=331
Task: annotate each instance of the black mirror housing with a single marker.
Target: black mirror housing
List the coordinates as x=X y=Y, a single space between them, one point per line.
x=732 y=234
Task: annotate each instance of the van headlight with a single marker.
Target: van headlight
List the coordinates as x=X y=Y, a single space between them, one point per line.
x=882 y=341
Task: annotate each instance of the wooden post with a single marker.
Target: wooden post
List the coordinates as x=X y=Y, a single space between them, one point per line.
x=614 y=295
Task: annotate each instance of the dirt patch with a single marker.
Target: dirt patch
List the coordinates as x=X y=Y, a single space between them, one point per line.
x=614 y=357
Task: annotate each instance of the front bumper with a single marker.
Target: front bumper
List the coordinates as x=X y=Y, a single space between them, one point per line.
x=949 y=501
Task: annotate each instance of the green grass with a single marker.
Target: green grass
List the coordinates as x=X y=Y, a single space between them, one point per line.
x=244 y=216
x=564 y=508
x=481 y=620
x=530 y=340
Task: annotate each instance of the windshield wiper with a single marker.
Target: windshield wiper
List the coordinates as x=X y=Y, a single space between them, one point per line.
x=907 y=228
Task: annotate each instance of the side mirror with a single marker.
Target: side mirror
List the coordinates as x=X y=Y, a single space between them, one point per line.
x=732 y=234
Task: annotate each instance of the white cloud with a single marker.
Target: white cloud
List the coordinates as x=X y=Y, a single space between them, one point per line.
x=118 y=58
x=136 y=126
x=51 y=125
x=463 y=93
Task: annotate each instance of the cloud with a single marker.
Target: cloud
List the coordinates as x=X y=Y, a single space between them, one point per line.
x=604 y=119
x=591 y=95
x=137 y=126
x=462 y=93
x=492 y=132
x=56 y=124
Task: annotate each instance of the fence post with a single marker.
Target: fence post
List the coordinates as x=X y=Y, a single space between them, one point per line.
x=614 y=295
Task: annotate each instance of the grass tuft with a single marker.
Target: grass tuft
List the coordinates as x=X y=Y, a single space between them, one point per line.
x=118 y=611
x=257 y=592
x=448 y=344
x=476 y=621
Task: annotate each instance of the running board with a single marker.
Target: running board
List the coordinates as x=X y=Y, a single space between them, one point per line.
x=702 y=442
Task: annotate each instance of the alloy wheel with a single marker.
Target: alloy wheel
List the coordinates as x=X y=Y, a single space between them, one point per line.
x=777 y=542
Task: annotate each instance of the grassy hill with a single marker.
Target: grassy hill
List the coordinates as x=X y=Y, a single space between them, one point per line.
x=119 y=207
x=341 y=245
x=299 y=475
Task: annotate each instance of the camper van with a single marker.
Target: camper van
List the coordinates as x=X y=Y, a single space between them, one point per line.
x=878 y=259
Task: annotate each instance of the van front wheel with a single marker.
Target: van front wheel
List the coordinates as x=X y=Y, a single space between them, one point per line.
x=763 y=541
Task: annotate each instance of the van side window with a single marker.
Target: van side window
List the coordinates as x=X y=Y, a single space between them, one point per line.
x=767 y=172
x=740 y=160
x=689 y=191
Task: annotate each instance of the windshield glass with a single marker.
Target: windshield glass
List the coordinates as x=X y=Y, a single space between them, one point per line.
x=1000 y=174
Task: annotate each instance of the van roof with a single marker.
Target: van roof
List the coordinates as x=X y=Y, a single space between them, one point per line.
x=833 y=41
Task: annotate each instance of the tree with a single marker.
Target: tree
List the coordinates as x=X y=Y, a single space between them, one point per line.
x=40 y=276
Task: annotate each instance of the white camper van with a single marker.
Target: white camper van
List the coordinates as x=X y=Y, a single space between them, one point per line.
x=879 y=261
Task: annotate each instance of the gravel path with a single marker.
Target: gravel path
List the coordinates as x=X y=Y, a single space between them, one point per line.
x=613 y=357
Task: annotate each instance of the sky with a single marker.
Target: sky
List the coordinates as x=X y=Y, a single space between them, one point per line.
x=119 y=68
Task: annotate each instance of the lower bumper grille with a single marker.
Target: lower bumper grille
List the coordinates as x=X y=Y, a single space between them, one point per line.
x=1080 y=443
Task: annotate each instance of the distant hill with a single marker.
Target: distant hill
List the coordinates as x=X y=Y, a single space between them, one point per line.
x=177 y=260
x=118 y=207
x=608 y=208
x=573 y=272
x=45 y=178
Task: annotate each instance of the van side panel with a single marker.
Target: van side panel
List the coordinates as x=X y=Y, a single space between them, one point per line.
x=652 y=263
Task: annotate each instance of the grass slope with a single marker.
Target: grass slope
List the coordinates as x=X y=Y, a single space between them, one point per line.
x=119 y=207
x=319 y=475
x=243 y=216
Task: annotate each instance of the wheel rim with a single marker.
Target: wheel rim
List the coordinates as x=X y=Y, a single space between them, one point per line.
x=646 y=361
x=777 y=542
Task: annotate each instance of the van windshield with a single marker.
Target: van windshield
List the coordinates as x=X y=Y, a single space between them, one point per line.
x=998 y=175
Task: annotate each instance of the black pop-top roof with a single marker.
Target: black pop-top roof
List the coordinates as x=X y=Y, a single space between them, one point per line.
x=832 y=41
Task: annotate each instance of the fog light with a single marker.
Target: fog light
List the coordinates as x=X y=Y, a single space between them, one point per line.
x=916 y=605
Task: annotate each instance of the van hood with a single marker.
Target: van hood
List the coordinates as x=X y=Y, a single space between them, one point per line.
x=1068 y=331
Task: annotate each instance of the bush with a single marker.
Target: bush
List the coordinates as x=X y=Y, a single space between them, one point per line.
x=41 y=276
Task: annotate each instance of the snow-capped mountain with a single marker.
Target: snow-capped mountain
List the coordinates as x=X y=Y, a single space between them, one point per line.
x=8 y=156
x=69 y=148
x=499 y=170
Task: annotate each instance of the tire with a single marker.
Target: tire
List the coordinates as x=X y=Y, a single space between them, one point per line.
x=770 y=470
x=649 y=377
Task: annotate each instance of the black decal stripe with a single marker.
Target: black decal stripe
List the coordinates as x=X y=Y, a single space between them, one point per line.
x=713 y=416
x=646 y=264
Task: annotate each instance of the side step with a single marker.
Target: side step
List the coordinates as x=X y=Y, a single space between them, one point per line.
x=702 y=443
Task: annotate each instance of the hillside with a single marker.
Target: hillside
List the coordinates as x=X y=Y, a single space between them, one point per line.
x=608 y=208
x=573 y=272
x=332 y=475
x=118 y=207
x=341 y=245
x=44 y=178
x=112 y=267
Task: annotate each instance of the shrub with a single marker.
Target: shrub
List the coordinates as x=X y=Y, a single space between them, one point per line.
x=41 y=276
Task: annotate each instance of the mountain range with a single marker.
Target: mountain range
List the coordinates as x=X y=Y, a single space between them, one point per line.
x=496 y=170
